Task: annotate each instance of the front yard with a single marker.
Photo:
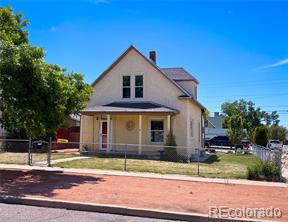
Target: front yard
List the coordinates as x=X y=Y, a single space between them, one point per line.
x=220 y=165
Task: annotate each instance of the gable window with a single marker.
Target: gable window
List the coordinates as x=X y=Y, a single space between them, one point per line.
x=139 y=86
x=126 y=87
x=157 y=131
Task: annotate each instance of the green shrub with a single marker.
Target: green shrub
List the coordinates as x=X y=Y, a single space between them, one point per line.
x=263 y=171
x=170 y=153
x=260 y=135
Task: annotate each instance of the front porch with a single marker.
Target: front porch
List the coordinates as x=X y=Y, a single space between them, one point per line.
x=118 y=132
x=139 y=128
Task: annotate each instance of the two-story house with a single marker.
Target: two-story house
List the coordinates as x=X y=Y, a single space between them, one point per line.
x=136 y=102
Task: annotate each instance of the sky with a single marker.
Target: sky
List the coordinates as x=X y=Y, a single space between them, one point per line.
x=236 y=49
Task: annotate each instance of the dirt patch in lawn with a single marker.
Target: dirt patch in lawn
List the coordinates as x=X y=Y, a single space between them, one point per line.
x=161 y=194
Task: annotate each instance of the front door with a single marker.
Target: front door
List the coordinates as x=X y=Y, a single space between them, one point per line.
x=104 y=135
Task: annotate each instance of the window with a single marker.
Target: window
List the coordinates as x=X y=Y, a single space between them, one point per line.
x=192 y=128
x=157 y=131
x=139 y=86
x=126 y=87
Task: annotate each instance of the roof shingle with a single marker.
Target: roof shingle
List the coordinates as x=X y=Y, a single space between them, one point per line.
x=178 y=74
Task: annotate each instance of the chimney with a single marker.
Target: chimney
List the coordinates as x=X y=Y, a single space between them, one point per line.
x=152 y=55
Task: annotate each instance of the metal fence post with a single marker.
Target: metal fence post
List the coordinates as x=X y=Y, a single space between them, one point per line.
x=125 y=161
x=29 y=153
x=198 y=162
x=49 y=153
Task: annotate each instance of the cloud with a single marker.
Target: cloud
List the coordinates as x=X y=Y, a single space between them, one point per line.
x=276 y=64
x=97 y=2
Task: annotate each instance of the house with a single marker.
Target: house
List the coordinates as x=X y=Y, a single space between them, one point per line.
x=136 y=102
x=214 y=126
x=71 y=134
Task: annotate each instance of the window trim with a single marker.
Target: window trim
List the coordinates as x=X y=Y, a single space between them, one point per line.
x=150 y=130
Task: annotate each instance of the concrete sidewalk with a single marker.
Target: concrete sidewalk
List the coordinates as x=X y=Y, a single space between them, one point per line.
x=146 y=175
x=133 y=193
x=44 y=163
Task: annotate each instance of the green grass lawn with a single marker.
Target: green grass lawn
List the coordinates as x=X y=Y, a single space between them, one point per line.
x=221 y=165
x=22 y=158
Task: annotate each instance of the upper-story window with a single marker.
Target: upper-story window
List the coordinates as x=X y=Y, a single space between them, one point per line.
x=126 y=86
x=139 y=86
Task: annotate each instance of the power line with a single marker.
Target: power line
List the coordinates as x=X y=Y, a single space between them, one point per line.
x=257 y=106
x=268 y=111
x=240 y=83
x=255 y=95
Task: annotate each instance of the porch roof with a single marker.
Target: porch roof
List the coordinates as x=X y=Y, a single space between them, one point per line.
x=130 y=107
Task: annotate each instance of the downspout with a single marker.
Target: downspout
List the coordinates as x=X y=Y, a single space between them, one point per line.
x=202 y=128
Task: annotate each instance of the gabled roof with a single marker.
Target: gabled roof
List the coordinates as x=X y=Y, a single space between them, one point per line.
x=131 y=47
x=178 y=74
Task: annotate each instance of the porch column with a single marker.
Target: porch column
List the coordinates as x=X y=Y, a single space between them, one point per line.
x=108 y=133
x=168 y=123
x=140 y=135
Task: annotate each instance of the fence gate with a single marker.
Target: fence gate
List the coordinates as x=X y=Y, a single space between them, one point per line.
x=39 y=153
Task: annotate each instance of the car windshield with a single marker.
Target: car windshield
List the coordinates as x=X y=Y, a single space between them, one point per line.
x=275 y=142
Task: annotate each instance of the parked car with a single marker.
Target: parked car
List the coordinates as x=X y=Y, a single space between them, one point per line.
x=274 y=144
x=218 y=141
x=246 y=144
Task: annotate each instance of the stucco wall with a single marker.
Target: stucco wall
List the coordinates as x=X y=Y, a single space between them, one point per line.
x=190 y=86
x=157 y=88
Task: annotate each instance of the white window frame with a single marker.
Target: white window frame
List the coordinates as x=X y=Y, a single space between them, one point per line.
x=139 y=86
x=150 y=130
x=126 y=87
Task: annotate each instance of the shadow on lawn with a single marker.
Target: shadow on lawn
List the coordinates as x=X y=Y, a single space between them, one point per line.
x=212 y=159
x=37 y=182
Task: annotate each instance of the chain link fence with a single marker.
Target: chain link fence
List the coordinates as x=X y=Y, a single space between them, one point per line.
x=132 y=157
x=128 y=157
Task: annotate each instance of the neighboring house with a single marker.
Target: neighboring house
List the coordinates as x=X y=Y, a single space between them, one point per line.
x=71 y=133
x=136 y=102
x=74 y=120
x=214 y=126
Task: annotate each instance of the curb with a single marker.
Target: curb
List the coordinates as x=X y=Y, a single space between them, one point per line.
x=114 y=209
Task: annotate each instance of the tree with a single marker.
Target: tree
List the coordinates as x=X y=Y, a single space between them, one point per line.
x=260 y=135
x=252 y=116
x=276 y=132
x=235 y=130
x=36 y=97
x=206 y=113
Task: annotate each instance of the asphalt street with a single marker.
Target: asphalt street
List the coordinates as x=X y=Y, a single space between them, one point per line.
x=21 y=213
